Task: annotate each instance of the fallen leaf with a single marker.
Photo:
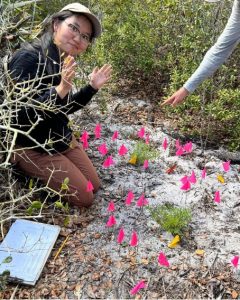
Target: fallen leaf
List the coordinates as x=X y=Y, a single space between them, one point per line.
x=133 y=159
x=220 y=178
x=200 y=252
x=171 y=169
x=175 y=241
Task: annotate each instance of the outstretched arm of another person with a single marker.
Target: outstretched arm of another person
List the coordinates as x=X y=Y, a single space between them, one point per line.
x=215 y=57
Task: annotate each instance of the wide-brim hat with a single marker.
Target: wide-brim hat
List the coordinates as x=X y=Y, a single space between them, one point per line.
x=79 y=8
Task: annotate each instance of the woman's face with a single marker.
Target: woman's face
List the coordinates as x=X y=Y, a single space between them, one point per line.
x=73 y=35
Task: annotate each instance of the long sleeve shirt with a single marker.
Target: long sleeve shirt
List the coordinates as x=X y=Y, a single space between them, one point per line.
x=41 y=112
x=219 y=52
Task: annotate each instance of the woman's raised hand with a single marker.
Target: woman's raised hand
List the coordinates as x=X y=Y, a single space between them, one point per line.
x=99 y=77
x=177 y=97
x=67 y=75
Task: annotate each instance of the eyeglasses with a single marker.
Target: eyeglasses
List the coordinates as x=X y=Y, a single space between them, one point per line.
x=85 y=38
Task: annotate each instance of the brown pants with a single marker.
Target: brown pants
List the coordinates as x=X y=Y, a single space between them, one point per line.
x=53 y=169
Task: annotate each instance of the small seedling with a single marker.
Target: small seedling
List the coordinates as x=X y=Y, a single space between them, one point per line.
x=171 y=218
x=143 y=151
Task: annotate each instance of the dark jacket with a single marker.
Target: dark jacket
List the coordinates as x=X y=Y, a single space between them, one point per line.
x=40 y=110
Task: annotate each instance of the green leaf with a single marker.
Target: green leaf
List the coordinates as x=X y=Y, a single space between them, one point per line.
x=64 y=186
x=59 y=204
x=7 y=260
x=30 y=186
x=29 y=211
x=36 y=204
x=66 y=221
x=66 y=181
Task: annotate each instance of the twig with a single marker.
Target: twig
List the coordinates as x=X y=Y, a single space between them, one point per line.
x=60 y=249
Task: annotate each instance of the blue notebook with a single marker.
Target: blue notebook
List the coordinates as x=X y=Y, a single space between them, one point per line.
x=25 y=250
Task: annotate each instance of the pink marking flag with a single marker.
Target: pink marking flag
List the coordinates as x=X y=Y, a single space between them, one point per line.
x=134 y=239
x=85 y=136
x=147 y=139
x=186 y=186
x=177 y=144
x=111 y=221
x=145 y=164
x=188 y=147
x=192 y=178
x=122 y=150
x=184 y=179
x=142 y=201
x=130 y=197
x=111 y=206
x=162 y=260
x=204 y=173
x=179 y=151
x=226 y=166
x=84 y=139
x=108 y=162
x=141 y=133
x=165 y=144
x=217 y=197
x=140 y=285
x=235 y=261
x=121 y=236
x=89 y=186
x=97 y=131
x=115 y=135
x=103 y=149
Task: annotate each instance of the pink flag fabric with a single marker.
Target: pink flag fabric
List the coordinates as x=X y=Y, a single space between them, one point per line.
x=134 y=239
x=97 y=131
x=235 y=261
x=204 y=173
x=141 y=133
x=217 y=197
x=179 y=151
x=184 y=179
x=147 y=139
x=108 y=162
x=226 y=166
x=177 y=144
x=111 y=221
x=89 y=186
x=84 y=139
x=142 y=201
x=103 y=149
x=140 y=285
x=121 y=236
x=145 y=164
x=122 y=150
x=192 y=178
x=129 y=198
x=115 y=135
x=188 y=147
x=111 y=206
x=163 y=260
x=186 y=186
x=165 y=144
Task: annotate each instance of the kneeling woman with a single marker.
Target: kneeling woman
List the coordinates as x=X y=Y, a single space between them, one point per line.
x=43 y=73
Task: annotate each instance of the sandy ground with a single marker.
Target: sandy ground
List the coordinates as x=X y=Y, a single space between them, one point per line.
x=93 y=265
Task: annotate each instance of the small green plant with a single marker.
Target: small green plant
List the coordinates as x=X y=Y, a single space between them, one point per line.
x=4 y=276
x=171 y=218
x=143 y=152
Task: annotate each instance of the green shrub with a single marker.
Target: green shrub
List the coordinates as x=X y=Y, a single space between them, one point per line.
x=172 y=219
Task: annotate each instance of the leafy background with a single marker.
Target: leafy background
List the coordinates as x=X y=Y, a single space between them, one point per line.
x=159 y=44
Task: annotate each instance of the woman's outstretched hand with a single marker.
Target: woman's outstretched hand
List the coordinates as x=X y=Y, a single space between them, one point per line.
x=177 y=98
x=99 y=77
